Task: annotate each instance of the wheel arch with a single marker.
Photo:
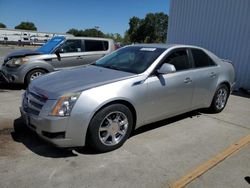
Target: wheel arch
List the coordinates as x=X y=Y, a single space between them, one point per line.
x=226 y=83
x=35 y=68
x=123 y=102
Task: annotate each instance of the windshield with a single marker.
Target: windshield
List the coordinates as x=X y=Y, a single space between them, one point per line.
x=48 y=47
x=132 y=59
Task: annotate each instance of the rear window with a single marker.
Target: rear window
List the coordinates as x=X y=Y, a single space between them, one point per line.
x=201 y=59
x=96 y=45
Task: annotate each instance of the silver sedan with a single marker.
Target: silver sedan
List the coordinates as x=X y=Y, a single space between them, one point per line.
x=100 y=104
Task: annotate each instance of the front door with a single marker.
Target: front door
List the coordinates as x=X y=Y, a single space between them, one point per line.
x=71 y=54
x=170 y=94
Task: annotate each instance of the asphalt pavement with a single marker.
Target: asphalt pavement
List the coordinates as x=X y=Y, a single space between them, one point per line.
x=156 y=155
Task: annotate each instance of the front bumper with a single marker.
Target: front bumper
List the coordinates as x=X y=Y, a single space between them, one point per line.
x=10 y=75
x=3 y=78
x=51 y=129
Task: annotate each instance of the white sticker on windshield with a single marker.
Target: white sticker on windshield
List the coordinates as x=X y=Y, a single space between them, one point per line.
x=148 y=49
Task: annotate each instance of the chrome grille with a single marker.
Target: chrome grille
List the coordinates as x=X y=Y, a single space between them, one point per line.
x=33 y=102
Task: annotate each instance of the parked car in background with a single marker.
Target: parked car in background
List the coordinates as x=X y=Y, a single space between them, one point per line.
x=58 y=53
x=100 y=104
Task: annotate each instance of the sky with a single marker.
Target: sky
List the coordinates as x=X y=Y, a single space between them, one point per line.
x=111 y=16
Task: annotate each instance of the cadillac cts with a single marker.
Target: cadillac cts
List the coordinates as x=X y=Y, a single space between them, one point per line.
x=100 y=104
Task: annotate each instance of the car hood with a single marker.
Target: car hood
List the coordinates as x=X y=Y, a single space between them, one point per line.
x=21 y=53
x=59 y=83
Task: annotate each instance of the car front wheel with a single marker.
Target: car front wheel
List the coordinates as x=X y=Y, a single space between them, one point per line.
x=110 y=128
x=34 y=74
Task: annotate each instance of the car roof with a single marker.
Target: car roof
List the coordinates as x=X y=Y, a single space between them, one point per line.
x=173 y=46
x=166 y=46
x=88 y=38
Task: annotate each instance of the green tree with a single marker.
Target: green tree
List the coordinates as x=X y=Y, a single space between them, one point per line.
x=115 y=36
x=118 y=37
x=151 y=29
x=95 y=32
x=133 y=31
x=2 y=25
x=126 y=39
x=26 y=26
x=73 y=31
x=91 y=32
x=161 y=27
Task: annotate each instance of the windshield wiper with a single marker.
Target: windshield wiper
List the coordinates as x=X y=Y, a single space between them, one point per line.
x=110 y=67
x=106 y=66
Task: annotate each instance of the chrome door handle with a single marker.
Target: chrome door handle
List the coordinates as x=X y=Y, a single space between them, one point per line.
x=187 y=80
x=212 y=74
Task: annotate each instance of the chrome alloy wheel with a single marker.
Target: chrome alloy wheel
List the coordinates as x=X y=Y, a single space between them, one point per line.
x=221 y=98
x=113 y=128
x=35 y=75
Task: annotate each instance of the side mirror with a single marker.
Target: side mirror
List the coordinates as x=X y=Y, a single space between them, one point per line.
x=166 y=68
x=57 y=52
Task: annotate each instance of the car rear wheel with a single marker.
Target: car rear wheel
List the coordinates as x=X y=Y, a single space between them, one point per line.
x=34 y=74
x=110 y=128
x=220 y=99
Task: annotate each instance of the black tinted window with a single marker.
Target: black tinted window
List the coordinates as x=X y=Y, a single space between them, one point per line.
x=201 y=59
x=179 y=59
x=72 y=46
x=106 y=45
x=95 y=45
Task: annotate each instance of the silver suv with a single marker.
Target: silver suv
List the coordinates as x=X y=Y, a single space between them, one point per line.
x=58 y=53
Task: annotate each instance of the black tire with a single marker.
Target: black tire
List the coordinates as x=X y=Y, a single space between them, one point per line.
x=29 y=76
x=215 y=106
x=96 y=137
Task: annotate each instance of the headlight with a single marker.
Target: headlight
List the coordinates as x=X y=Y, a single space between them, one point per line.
x=16 y=62
x=64 y=105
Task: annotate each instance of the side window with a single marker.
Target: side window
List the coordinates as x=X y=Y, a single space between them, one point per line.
x=201 y=59
x=106 y=45
x=179 y=59
x=72 y=46
x=96 y=45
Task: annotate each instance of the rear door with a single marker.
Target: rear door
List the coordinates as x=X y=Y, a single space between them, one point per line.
x=94 y=50
x=205 y=78
x=171 y=94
